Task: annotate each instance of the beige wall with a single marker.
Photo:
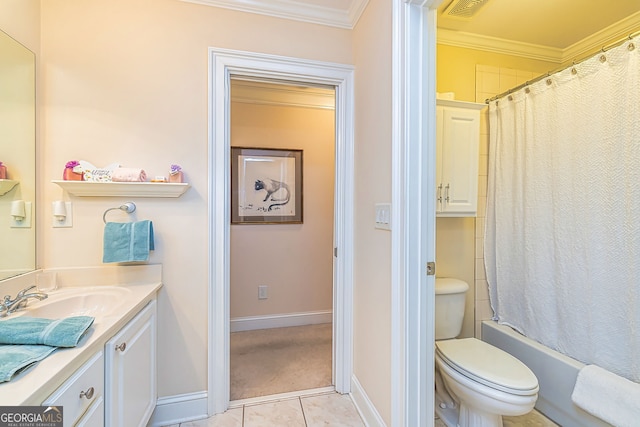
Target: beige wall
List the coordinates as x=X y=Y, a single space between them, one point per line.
x=126 y=81
x=294 y=260
x=459 y=241
x=21 y=20
x=372 y=269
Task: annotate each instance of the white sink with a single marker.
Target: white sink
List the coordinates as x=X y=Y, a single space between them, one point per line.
x=97 y=301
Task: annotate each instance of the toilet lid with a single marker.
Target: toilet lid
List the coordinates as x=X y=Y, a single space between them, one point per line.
x=487 y=365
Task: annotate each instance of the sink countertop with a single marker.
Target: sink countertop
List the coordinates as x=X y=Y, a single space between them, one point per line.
x=34 y=385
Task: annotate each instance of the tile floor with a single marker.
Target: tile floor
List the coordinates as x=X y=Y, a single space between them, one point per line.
x=532 y=419
x=327 y=409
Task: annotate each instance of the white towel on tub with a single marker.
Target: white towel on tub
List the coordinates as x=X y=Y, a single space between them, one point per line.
x=611 y=398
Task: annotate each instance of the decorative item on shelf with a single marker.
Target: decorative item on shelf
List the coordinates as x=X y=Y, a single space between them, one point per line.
x=95 y=174
x=72 y=171
x=175 y=174
x=3 y=171
x=128 y=175
x=159 y=179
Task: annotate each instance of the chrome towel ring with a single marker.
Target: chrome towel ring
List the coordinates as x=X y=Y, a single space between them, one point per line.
x=128 y=207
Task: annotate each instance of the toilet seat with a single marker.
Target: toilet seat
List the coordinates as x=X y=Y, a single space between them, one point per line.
x=487 y=365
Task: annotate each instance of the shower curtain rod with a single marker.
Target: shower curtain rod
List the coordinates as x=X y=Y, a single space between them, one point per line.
x=573 y=64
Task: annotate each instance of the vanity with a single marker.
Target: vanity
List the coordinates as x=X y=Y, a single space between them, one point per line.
x=110 y=377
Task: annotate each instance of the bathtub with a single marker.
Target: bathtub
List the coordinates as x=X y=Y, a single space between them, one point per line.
x=556 y=374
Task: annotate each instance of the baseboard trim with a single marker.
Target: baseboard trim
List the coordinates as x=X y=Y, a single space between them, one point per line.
x=180 y=408
x=281 y=396
x=365 y=407
x=240 y=324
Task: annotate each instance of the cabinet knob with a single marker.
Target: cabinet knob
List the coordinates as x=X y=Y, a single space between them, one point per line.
x=121 y=347
x=87 y=394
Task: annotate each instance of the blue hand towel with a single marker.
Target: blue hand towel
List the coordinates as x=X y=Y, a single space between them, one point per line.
x=16 y=358
x=127 y=241
x=32 y=330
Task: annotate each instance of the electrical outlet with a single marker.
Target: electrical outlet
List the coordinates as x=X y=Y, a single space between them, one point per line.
x=63 y=221
x=262 y=292
x=26 y=221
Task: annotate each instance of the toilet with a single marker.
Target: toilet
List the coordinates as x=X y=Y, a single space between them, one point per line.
x=476 y=383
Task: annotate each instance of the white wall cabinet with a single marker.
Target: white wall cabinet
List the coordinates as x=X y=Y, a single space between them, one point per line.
x=130 y=365
x=457 y=147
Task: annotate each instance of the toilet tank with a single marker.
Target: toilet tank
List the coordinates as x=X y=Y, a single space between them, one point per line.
x=450 y=301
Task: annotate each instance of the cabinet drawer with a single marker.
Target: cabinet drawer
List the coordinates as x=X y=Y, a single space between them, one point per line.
x=94 y=417
x=80 y=391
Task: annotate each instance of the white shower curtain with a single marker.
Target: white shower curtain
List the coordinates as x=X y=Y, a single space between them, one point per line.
x=562 y=242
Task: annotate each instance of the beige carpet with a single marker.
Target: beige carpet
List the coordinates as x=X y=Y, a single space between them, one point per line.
x=280 y=360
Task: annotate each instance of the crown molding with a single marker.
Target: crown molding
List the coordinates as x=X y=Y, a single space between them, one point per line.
x=617 y=31
x=295 y=10
x=497 y=45
x=255 y=92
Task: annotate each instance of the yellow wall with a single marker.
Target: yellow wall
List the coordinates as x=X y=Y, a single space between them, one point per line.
x=456 y=68
x=127 y=81
x=459 y=240
x=294 y=260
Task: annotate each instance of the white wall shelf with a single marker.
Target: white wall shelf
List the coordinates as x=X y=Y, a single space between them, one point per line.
x=7 y=185
x=118 y=189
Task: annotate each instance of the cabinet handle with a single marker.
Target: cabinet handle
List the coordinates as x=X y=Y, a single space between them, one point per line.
x=121 y=347
x=440 y=193
x=88 y=394
x=446 y=193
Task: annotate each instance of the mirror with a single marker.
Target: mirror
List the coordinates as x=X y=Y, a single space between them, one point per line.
x=18 y=156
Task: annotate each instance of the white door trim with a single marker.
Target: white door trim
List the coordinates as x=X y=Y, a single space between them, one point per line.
x=223 y=64
x=413 y=193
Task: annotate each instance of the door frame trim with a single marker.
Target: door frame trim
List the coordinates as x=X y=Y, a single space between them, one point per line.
x=413 y=196
x=223 y=64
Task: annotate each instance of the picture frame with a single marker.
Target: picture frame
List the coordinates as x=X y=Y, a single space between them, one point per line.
x=266 y=186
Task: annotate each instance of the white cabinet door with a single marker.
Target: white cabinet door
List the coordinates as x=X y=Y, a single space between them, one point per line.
x=457 y=146
x=130 y=358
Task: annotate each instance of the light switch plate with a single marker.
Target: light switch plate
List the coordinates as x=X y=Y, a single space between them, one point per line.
x=26 y=222
x=383 y=216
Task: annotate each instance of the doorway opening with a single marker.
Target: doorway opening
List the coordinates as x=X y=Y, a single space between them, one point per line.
x=225 y=65
x=281 y=237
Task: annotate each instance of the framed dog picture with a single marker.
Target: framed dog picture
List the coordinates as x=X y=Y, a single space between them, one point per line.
x=266 y=186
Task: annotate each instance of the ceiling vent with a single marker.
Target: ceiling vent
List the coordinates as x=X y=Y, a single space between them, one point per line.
x=464 y=9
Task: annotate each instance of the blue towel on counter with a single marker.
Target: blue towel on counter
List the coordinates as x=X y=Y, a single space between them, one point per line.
x=16 y=358
x=65 y=332
x=127 y=241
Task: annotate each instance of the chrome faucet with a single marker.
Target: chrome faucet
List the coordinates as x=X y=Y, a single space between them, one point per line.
x=9 y=305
